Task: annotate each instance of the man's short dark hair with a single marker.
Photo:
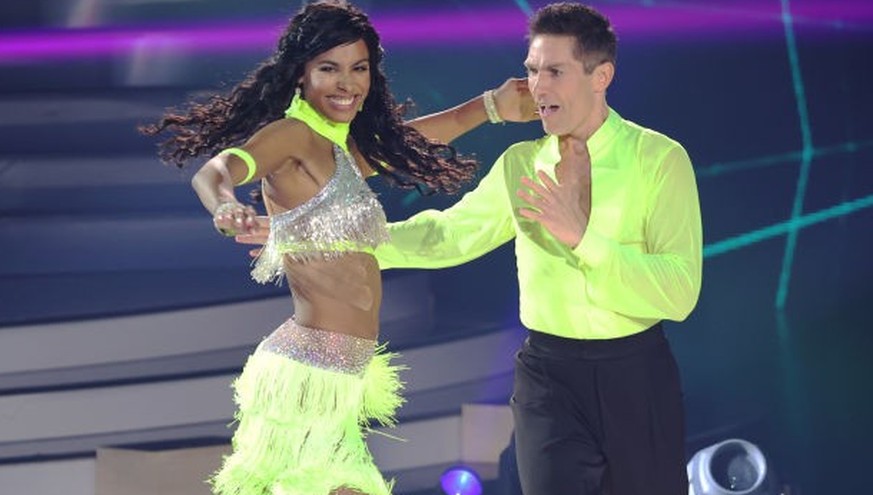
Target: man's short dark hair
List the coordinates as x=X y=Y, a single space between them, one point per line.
x=595 y=40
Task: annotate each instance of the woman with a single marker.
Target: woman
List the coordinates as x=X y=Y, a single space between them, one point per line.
x=318 y=380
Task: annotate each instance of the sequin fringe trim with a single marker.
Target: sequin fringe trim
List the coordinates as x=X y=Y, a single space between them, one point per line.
x=360 y=228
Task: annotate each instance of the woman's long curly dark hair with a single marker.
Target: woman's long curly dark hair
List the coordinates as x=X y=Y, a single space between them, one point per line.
x=390 y=147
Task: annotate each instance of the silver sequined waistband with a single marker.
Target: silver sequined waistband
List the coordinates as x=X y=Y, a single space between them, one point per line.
x=320 y=348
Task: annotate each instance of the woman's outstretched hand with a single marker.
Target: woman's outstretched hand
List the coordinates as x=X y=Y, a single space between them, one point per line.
x=257 y=235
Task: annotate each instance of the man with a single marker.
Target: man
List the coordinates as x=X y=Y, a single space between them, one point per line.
x=606 y=223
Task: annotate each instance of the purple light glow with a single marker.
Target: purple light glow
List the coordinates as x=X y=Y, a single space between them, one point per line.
x=698 y=20
x=70 y=44
x=440 y=28
x=460 y=481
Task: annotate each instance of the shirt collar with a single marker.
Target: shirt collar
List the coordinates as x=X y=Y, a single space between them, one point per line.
x=604 y=134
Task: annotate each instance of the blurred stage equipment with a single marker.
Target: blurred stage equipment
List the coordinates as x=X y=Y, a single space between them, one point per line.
x=731 y=467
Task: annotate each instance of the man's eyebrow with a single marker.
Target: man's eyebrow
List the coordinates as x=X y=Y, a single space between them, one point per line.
x=556 y=65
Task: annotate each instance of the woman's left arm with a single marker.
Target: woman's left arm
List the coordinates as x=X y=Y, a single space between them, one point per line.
x=512 y=103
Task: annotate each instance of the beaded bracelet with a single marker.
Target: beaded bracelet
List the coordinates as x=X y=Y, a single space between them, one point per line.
x=491 y=107
x=223 y=209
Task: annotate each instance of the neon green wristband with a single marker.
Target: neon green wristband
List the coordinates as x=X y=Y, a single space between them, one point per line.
x=246 y=157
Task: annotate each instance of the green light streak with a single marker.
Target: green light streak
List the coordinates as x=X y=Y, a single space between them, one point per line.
x=525 y=7
x=717 y=169
x=787 y=227
x=806 y=157
x=410 y=198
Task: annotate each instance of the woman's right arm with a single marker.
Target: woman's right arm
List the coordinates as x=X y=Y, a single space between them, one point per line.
x=265 y=152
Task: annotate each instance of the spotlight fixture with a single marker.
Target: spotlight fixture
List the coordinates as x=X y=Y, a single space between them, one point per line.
x=460 y=480
x=731 y=467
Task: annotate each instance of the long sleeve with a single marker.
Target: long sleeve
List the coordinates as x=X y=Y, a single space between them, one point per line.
x=478 y=223
x=664 y=281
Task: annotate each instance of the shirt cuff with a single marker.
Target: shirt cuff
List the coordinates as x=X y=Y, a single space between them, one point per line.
x=593 y=249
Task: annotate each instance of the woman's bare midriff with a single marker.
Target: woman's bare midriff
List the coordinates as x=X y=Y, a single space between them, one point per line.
x=340 y=295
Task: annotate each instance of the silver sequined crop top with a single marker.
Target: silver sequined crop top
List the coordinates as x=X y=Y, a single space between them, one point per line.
x=344 y=216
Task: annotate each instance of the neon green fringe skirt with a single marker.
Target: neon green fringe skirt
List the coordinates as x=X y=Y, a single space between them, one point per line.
x=305 y=399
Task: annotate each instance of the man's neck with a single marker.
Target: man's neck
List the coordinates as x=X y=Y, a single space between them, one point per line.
x=595 y=121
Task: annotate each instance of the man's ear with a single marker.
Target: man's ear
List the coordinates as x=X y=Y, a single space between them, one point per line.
x=603 y=75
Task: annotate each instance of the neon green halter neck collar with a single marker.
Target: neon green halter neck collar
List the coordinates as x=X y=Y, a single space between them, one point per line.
x=335 y=132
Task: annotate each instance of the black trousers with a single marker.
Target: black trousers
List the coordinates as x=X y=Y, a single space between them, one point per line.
x=599 y=416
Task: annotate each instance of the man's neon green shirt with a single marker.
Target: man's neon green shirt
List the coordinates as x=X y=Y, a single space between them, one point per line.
x=639 y=260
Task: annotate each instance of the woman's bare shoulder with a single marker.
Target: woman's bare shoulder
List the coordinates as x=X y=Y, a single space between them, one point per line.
x=289 y=135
